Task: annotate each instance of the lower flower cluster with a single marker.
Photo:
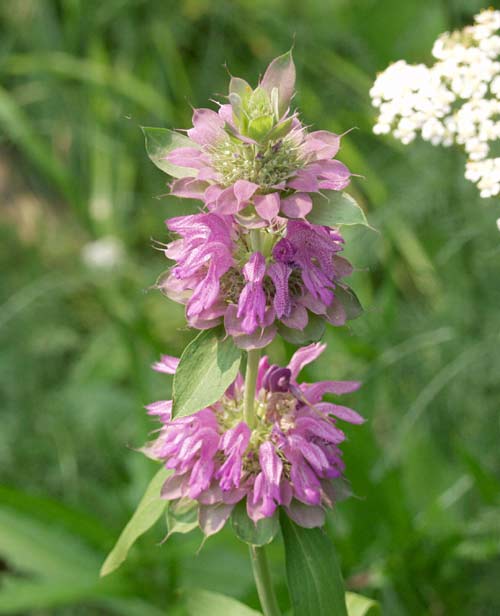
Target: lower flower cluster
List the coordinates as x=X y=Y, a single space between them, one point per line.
x=290 y=458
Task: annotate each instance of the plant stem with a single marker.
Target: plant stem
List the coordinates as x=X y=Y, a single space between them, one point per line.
x=263 y=582
x=253 y=357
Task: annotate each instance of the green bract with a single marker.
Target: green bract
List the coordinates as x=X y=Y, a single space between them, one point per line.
x=333 y=208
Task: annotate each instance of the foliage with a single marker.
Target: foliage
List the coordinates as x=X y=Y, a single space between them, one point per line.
x=78 y=81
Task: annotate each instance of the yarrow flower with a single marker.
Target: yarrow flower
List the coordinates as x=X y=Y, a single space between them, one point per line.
x=291 y=458
x=455 y=101
x=288 y=281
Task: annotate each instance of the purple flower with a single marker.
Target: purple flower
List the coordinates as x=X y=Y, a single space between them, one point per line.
x=292 y=457
x=221 y=279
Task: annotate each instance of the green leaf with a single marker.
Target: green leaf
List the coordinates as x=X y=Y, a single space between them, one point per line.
x=206 y=603
x=259 y=127
x=182 y=516
x=357 y=605
x=208 y=365
x=260 y=533
x=147 y=513
x=313 y=574
x=160 y=142
x=312 y=332
x=350 y=302
x=334 y=208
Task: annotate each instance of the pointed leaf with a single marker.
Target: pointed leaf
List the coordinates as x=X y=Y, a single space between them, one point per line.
x=280 y=74
x=147 y=513
x=160 y=142
x=313 y=574
x=206 y=603
x=357 y=605
x=208 y=365
x=260 y=533
x=333 y=208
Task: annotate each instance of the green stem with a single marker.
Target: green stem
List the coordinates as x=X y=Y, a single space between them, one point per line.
x=253 y=357
x=263 y=582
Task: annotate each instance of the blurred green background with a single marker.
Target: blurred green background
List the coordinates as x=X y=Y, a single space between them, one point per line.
x=80 y=325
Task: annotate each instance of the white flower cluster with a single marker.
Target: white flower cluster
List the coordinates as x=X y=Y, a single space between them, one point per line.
x=455 y=101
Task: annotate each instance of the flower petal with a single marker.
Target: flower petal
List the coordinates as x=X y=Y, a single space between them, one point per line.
x=304 y=356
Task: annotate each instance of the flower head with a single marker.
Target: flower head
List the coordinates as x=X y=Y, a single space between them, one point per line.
x=290 y=280
x=253 y=157
x=291 y=458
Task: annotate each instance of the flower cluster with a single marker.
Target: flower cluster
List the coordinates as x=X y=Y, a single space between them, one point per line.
x=455 y=101
x=286 y=280
x=253 y=158
x=291 y=458
x=251 y=259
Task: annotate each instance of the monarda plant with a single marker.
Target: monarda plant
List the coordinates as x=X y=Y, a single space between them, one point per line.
x=262 y=257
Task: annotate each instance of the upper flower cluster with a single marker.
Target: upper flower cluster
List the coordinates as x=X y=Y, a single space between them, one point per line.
x=290 y=458
x=456 y=100
x=254 y=158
